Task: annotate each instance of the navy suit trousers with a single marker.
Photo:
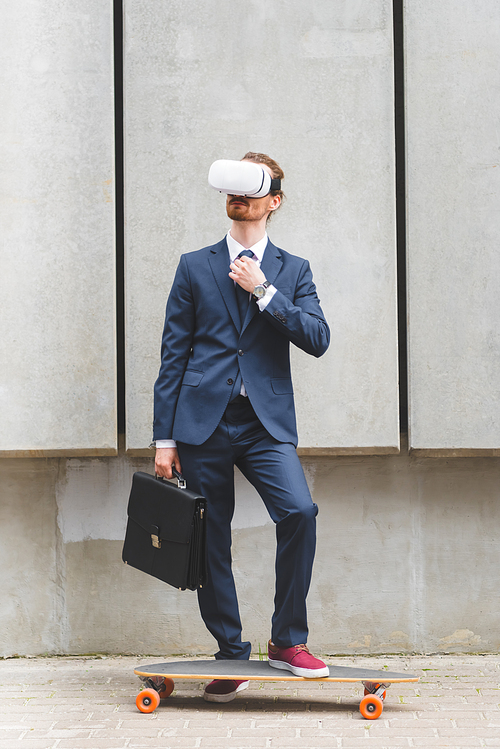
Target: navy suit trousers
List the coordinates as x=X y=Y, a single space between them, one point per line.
x=275 y=471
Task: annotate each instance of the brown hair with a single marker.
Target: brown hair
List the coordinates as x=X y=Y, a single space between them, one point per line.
x=276 y=171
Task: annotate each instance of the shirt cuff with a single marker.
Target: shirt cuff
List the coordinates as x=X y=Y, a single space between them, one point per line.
x=166 y=443
x=270 y=292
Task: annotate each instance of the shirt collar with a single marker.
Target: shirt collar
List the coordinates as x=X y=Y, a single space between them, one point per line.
x=235 y=247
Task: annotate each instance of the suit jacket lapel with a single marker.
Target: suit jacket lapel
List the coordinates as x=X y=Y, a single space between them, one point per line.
x=270 y=266
x=219 y=262
x=271 y=262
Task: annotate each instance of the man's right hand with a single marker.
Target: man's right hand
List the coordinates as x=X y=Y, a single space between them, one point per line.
x=165 y=458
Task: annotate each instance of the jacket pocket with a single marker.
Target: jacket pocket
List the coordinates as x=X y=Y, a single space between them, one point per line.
x=282 y=386
x=192 y=377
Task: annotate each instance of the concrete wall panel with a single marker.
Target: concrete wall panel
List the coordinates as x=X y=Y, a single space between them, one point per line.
x=452 y=86
x=312 y=85
x=57 y=388
x=32 y=611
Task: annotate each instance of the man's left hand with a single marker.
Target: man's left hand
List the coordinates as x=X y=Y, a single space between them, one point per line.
x=246 y=273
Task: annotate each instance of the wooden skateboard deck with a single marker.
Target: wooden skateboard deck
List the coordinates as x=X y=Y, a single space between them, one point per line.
x=158 y=679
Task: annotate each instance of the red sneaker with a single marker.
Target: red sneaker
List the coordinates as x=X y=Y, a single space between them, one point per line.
x=298 y=660
x=223 y=690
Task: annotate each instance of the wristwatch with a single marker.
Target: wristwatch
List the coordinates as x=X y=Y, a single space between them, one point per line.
x=260 y=289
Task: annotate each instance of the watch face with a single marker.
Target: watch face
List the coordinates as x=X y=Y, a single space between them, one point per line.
x=259 y=291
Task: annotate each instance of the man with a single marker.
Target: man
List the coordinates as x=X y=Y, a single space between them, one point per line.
x=224 y=397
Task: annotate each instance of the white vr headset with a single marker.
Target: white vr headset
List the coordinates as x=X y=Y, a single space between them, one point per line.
x=241 y=178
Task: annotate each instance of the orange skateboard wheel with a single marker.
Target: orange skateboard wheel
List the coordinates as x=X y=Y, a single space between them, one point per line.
x=371 y=707
x=169 y=688
x=148 y=700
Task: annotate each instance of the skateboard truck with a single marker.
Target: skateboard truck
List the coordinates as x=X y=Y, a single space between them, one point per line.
x=374 y=688
x=155 y=682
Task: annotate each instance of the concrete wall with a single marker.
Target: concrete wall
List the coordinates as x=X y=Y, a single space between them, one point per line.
x=407 y=560
x=57 y=314
x=453 y=182
x=311 y=84
x=408 y=546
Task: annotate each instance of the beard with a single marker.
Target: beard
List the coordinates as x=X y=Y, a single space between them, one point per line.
x=247 y=212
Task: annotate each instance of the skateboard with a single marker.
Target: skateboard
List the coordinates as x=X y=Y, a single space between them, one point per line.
x=158 y=680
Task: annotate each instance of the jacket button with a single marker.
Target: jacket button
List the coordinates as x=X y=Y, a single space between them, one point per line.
x=240 y=352
x=230 y=381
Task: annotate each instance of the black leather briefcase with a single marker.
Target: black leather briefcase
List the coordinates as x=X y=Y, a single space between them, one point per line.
x=166 y=531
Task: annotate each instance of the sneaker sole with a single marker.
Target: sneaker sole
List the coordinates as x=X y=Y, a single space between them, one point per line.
x=306 y=673
x=225 y=697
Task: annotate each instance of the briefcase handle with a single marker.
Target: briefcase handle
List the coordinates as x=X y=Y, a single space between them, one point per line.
x=181 y=481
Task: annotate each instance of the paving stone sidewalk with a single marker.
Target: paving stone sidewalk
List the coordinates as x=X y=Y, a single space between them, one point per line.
x=88 y=703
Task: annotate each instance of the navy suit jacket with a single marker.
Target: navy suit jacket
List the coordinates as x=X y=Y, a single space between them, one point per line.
x=203 y=344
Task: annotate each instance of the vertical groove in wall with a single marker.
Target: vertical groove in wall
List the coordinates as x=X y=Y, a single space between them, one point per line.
x=61 y=639
x=399 y=121
x=119 y=202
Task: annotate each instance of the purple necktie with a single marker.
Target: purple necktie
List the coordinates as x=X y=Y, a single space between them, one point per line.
x=242 y=296
x=243 y=299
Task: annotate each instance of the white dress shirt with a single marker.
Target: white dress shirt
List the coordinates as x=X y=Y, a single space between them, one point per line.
x=234 y=250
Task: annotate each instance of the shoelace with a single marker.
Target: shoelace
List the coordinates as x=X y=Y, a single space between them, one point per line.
x=298 y=648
